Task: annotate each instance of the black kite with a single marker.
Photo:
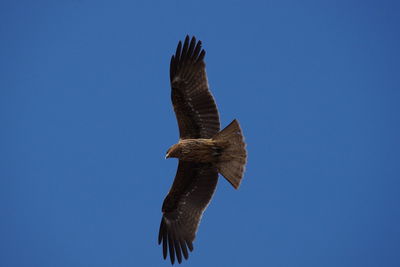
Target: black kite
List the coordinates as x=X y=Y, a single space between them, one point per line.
x=203 y=151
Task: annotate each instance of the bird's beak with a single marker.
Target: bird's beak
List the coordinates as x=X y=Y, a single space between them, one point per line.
x=167 y=156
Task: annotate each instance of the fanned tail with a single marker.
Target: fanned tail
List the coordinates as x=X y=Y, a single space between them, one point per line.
x=233 y=157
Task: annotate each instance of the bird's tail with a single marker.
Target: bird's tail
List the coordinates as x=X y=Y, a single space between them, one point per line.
x=233 y=156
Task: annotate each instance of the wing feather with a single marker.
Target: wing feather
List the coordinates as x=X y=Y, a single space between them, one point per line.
x=193 y=102
x=191 y=192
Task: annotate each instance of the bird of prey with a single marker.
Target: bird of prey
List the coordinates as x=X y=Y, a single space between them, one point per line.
x=203 y=151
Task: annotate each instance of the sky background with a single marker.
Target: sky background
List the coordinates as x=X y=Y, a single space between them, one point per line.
x=86 y=119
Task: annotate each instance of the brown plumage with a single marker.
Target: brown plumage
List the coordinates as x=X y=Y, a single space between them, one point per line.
x=203 y=151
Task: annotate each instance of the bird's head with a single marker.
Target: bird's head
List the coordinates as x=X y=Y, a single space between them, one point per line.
x=173 y=152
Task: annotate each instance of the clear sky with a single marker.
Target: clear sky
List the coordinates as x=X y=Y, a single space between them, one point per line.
x=86 y=120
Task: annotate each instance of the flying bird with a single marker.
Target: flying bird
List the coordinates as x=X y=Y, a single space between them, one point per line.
x=203 y=151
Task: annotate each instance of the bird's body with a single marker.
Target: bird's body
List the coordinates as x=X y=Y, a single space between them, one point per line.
x=203 y=151
x=197 y=150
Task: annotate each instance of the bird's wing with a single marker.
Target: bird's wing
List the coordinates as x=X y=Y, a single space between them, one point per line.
x=191 y=192
x=193 y=102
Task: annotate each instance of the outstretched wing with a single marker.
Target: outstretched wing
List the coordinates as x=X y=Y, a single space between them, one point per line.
x=191 y=192
x=193 y=103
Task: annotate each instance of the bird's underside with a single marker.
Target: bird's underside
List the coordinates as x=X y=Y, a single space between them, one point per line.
x=198 y=150
x=203 y=151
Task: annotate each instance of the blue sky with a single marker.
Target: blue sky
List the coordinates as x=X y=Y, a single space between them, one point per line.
x=86 y=120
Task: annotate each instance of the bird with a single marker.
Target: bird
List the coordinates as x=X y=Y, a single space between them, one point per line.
x=203 y=151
